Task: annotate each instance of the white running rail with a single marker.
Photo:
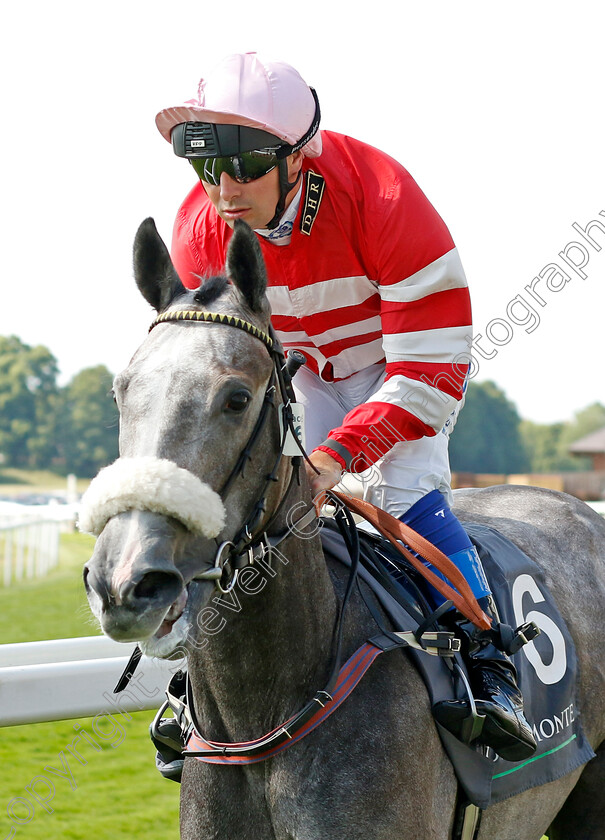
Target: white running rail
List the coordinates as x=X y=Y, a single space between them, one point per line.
x=28 y=548
x=74 y=678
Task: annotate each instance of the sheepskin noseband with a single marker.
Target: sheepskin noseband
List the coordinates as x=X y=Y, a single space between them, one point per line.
x=151 y=484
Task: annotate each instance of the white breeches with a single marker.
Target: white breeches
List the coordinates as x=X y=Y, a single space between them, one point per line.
x=407 y=473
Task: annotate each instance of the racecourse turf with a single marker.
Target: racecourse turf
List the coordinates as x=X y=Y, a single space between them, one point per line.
x=117 y=793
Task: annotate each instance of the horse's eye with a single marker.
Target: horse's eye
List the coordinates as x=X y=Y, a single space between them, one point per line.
x=238 y=402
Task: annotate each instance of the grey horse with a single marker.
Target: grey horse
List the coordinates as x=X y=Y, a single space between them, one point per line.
x=189 y=402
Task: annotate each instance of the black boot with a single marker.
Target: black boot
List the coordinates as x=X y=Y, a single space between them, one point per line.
x=493 y=680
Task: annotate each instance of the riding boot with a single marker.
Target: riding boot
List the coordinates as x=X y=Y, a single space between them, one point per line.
x=493 y=681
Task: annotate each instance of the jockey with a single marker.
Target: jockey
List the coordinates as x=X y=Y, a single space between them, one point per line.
x=365 y=280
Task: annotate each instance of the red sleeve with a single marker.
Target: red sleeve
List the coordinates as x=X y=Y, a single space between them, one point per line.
x=425 y=317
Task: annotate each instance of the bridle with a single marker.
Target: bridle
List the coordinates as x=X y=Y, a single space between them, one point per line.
x=241 y=550
x=247 y=545
x=251 y=540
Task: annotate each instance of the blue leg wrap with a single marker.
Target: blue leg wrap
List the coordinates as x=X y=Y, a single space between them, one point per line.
x=433 y=519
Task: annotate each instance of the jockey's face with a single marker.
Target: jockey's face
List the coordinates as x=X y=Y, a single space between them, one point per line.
x=255 y=201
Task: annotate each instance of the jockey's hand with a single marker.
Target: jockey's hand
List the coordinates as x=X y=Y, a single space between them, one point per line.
x=330 y=473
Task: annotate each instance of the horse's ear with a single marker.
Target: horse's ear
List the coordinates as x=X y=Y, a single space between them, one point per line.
x=154 y=273
x=245 y=267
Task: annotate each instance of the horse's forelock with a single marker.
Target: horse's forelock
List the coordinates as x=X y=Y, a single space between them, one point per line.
x=210 y=290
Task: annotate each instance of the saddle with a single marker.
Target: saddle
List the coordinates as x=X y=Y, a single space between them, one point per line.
x=550 y=698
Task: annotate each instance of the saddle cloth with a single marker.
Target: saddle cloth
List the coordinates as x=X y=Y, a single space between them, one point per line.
x=547 y=670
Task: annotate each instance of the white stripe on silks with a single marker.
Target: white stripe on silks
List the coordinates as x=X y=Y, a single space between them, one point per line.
x=279 y=298
x=354 y=359
x=153 y=484
x=442 y=274
x=429 y=404
x=293 y=337
x=336 y=292
x=443 y=345
x=322 y=295
x=344 y=331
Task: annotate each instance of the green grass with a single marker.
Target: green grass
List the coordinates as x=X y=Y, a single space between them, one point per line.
x=53 y=607
x=119 y=794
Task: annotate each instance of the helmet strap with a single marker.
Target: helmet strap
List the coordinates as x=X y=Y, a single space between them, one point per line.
x=284 y=185
x=284 y=188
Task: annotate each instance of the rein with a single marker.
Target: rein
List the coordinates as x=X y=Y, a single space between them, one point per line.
x=401 y=536
x=343 y=679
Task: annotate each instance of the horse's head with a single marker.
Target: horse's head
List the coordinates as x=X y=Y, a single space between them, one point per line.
x=198 y=441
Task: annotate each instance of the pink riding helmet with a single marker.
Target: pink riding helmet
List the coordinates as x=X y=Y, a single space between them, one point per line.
x=244 y=89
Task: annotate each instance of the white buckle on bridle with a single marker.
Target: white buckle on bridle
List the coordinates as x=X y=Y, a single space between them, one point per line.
x=153 y=484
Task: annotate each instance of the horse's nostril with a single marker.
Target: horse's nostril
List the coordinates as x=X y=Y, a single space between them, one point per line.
x=155 y=585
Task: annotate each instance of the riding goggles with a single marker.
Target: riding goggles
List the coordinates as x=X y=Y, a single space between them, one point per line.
x=243 y=168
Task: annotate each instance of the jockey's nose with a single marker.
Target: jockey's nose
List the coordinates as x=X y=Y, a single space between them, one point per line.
x=229 y=187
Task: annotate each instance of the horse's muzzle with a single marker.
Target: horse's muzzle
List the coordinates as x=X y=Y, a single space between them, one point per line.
x=132 y=580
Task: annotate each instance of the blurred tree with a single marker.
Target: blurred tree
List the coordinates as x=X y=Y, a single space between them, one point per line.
x=28 y=401
x=544 y=445
x=548 y=445
x=487 y=437
x=88 y=427
x=586 y=421
x=76 y=428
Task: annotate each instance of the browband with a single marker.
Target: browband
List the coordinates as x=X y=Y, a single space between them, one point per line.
x=214 y=318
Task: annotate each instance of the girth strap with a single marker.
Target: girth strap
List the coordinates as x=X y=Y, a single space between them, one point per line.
x=313 y=714
x=297 y=727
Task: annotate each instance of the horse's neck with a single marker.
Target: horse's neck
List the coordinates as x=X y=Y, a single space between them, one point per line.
x=273 y=649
